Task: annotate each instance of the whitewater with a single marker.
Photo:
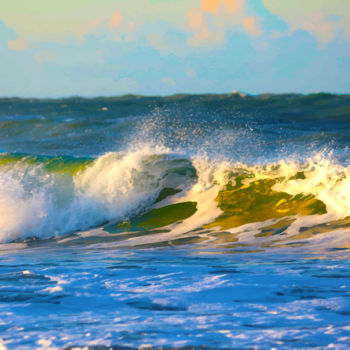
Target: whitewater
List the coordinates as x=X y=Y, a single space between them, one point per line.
x=209 y=221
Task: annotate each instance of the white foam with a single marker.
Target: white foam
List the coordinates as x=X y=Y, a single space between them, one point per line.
x=36 y=203
x=211 y=178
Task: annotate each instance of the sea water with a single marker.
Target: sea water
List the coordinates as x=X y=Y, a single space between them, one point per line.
x=211 y=221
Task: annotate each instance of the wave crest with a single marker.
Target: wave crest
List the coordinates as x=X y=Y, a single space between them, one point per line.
x=149 y=190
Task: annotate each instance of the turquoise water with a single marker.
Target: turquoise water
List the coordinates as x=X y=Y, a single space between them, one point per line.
x=180 y=222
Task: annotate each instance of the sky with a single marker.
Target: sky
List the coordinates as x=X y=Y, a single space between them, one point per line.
x=161 y=47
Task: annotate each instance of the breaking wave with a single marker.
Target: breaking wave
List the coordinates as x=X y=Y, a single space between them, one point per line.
x=152 y=195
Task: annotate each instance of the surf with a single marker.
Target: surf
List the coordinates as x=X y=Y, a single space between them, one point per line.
x=156 y=196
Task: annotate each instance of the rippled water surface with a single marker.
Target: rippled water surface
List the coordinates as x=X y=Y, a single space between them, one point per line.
x=68 y=297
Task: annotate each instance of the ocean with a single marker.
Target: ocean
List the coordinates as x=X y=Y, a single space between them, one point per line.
x=180 y=222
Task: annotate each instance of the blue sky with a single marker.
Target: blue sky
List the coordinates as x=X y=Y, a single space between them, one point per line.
x=161 y=47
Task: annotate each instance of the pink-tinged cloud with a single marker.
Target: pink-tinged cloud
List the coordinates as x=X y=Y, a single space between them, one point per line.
x=115 y=19
x=234 y=6
x=320 y=25
x=198 y=26
x=326 y=19
x=223 y=6
x=19 y=44
x=251 y=26
x=214 y=18
x=210 y=5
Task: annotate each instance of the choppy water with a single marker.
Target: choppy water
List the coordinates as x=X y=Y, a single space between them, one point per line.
x=213 y=221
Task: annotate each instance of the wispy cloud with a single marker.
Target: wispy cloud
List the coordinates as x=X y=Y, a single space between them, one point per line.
x=325 y=19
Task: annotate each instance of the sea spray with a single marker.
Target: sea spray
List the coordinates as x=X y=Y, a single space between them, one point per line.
x=43 y=203
x=55 y=196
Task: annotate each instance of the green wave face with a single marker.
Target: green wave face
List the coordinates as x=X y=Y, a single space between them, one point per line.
x=240 y=204
x=157 y=218
x=62 y=164
x=243 y=204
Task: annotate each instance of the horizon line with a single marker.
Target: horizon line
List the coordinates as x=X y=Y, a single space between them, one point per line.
x=179 y=94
